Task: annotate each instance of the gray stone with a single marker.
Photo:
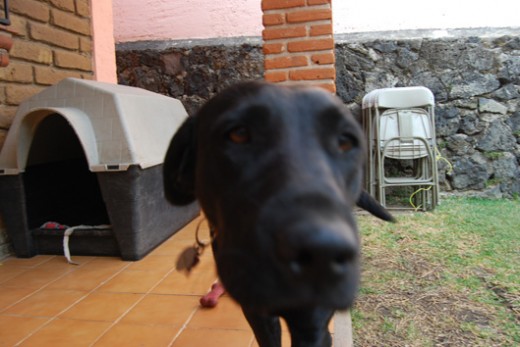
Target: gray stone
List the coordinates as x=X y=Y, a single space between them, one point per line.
x=505 y=166
x=447 y=120
x=385 y=46
x=492 y=106
x=379 y=79
x=508 y=92
x=349 y=87
x=493 y=192
x=470 y=104
x=441 y=53
x=469 y=172
x=510 y=68
x=514 y=123
x=470 y=122
x=430 y=80
x=461 y=144
x=497 y=137
x=490 y=117
x=405 y=58
x=473 y=83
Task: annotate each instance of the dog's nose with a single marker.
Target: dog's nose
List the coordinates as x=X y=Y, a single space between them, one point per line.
x=318 y=252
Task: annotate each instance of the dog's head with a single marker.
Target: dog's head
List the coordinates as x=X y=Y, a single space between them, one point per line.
x=277 y=171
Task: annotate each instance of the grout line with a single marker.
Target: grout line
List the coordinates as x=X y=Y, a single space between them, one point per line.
x=148 y=292
x=40 y=288
x=52 y=319
x=184 y=326
x=21 y=267
x=190 y=317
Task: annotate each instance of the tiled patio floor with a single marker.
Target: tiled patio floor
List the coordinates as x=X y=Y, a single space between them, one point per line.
x=44 y=301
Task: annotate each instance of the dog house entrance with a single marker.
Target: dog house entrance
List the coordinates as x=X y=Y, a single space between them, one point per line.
x=59 y=187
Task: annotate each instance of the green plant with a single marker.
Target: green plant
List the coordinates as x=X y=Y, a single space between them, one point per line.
x=494 y=155
x=493 y=182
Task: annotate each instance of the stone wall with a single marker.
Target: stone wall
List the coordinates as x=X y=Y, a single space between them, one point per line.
x=189 y=72
x=476 y=82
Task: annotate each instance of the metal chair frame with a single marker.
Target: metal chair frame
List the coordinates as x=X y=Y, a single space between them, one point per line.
x=406 y=105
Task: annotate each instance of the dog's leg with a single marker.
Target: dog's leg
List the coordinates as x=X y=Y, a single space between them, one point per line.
x=267 y=329
x=309 y=327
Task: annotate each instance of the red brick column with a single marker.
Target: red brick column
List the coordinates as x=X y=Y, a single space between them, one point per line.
x=298 y=42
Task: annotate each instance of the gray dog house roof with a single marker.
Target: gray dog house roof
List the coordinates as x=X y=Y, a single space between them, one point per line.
x=117 y=125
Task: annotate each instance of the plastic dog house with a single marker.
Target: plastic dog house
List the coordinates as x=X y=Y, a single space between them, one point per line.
x=90 y=153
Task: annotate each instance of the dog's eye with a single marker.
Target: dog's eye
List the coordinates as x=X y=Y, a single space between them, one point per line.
x=239 y=135
x=345 y=143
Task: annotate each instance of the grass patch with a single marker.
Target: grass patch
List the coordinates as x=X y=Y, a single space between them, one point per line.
x=445 y=278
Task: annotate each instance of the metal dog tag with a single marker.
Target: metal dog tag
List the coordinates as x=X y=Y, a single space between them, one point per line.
x=188 y=259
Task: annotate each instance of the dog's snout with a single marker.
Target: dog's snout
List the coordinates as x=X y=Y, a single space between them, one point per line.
x=318 y=252
x=322 y=260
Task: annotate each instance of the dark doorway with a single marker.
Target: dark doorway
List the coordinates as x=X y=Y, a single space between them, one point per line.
x=58 y=184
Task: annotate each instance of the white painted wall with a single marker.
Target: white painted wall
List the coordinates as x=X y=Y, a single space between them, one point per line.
x=138 y=20
x=383 y=15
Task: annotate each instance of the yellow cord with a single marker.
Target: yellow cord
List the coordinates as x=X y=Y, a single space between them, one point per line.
x=438 y=156
x=416 y=208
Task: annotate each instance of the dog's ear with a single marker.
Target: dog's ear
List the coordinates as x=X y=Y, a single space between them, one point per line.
x=368 y=203
x=179 y=165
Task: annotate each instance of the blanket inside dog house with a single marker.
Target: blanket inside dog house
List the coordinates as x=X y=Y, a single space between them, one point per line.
x=90 y=153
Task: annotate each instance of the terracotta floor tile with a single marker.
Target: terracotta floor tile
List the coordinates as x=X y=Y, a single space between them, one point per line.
x=102 y=306
x=129 y=281
x=10 y=295
x=67 y=333
x=15 y=329
x=121 y=295
x=173 y=247
x=26 y=262
x=60 y=263
x=109 y=262
x=227 y=315
x=35 y=278
x=130 y=335
x=162 y=309
x=87 y=277
x=45 y=303
x=154 y=263
x=210 y=338
x=197 y=283
x=9 y=272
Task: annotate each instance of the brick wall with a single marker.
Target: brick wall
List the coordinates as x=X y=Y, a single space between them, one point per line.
x=298 y=42
x=51 y=40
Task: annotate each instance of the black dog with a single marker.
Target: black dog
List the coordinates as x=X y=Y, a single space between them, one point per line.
x=277 y=171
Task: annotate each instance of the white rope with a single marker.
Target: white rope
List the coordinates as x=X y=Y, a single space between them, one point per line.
x=68 y=233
